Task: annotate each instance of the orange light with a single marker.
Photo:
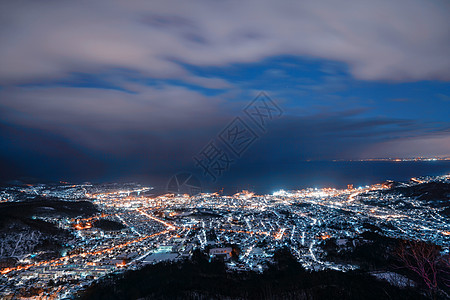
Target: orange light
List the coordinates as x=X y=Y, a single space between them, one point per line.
x=58 y=260
x=325 y=236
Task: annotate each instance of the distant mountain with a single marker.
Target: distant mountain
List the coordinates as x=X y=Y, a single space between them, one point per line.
x=42 y=206
x=435 y=193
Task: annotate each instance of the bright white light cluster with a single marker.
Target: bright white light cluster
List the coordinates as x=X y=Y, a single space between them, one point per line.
x=282 y=193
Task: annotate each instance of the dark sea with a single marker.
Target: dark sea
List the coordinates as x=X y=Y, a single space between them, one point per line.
x=319 y=174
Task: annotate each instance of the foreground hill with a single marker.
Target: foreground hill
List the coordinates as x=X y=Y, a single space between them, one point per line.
x=23 y=231
x=285 y=279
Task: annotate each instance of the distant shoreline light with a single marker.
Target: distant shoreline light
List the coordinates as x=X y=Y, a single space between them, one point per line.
x=396 y=159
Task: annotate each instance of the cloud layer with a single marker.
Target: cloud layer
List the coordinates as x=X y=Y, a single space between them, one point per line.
x=379 y=40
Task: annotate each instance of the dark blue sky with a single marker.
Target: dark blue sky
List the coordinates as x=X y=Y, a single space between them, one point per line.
x=110 y=90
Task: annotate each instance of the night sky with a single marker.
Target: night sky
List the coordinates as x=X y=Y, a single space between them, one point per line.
x=106 y=90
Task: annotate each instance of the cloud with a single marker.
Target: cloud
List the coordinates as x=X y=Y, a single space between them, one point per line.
x=379 y=40
x=98 y=118
x=91 y=133
x=347 y=135
x=95 y=132
x=207 y=82
x=437 y=144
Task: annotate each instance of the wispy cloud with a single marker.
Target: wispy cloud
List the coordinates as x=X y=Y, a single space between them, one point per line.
x=387 y=40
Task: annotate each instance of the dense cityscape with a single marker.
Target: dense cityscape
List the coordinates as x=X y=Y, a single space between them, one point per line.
x=120 y=227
